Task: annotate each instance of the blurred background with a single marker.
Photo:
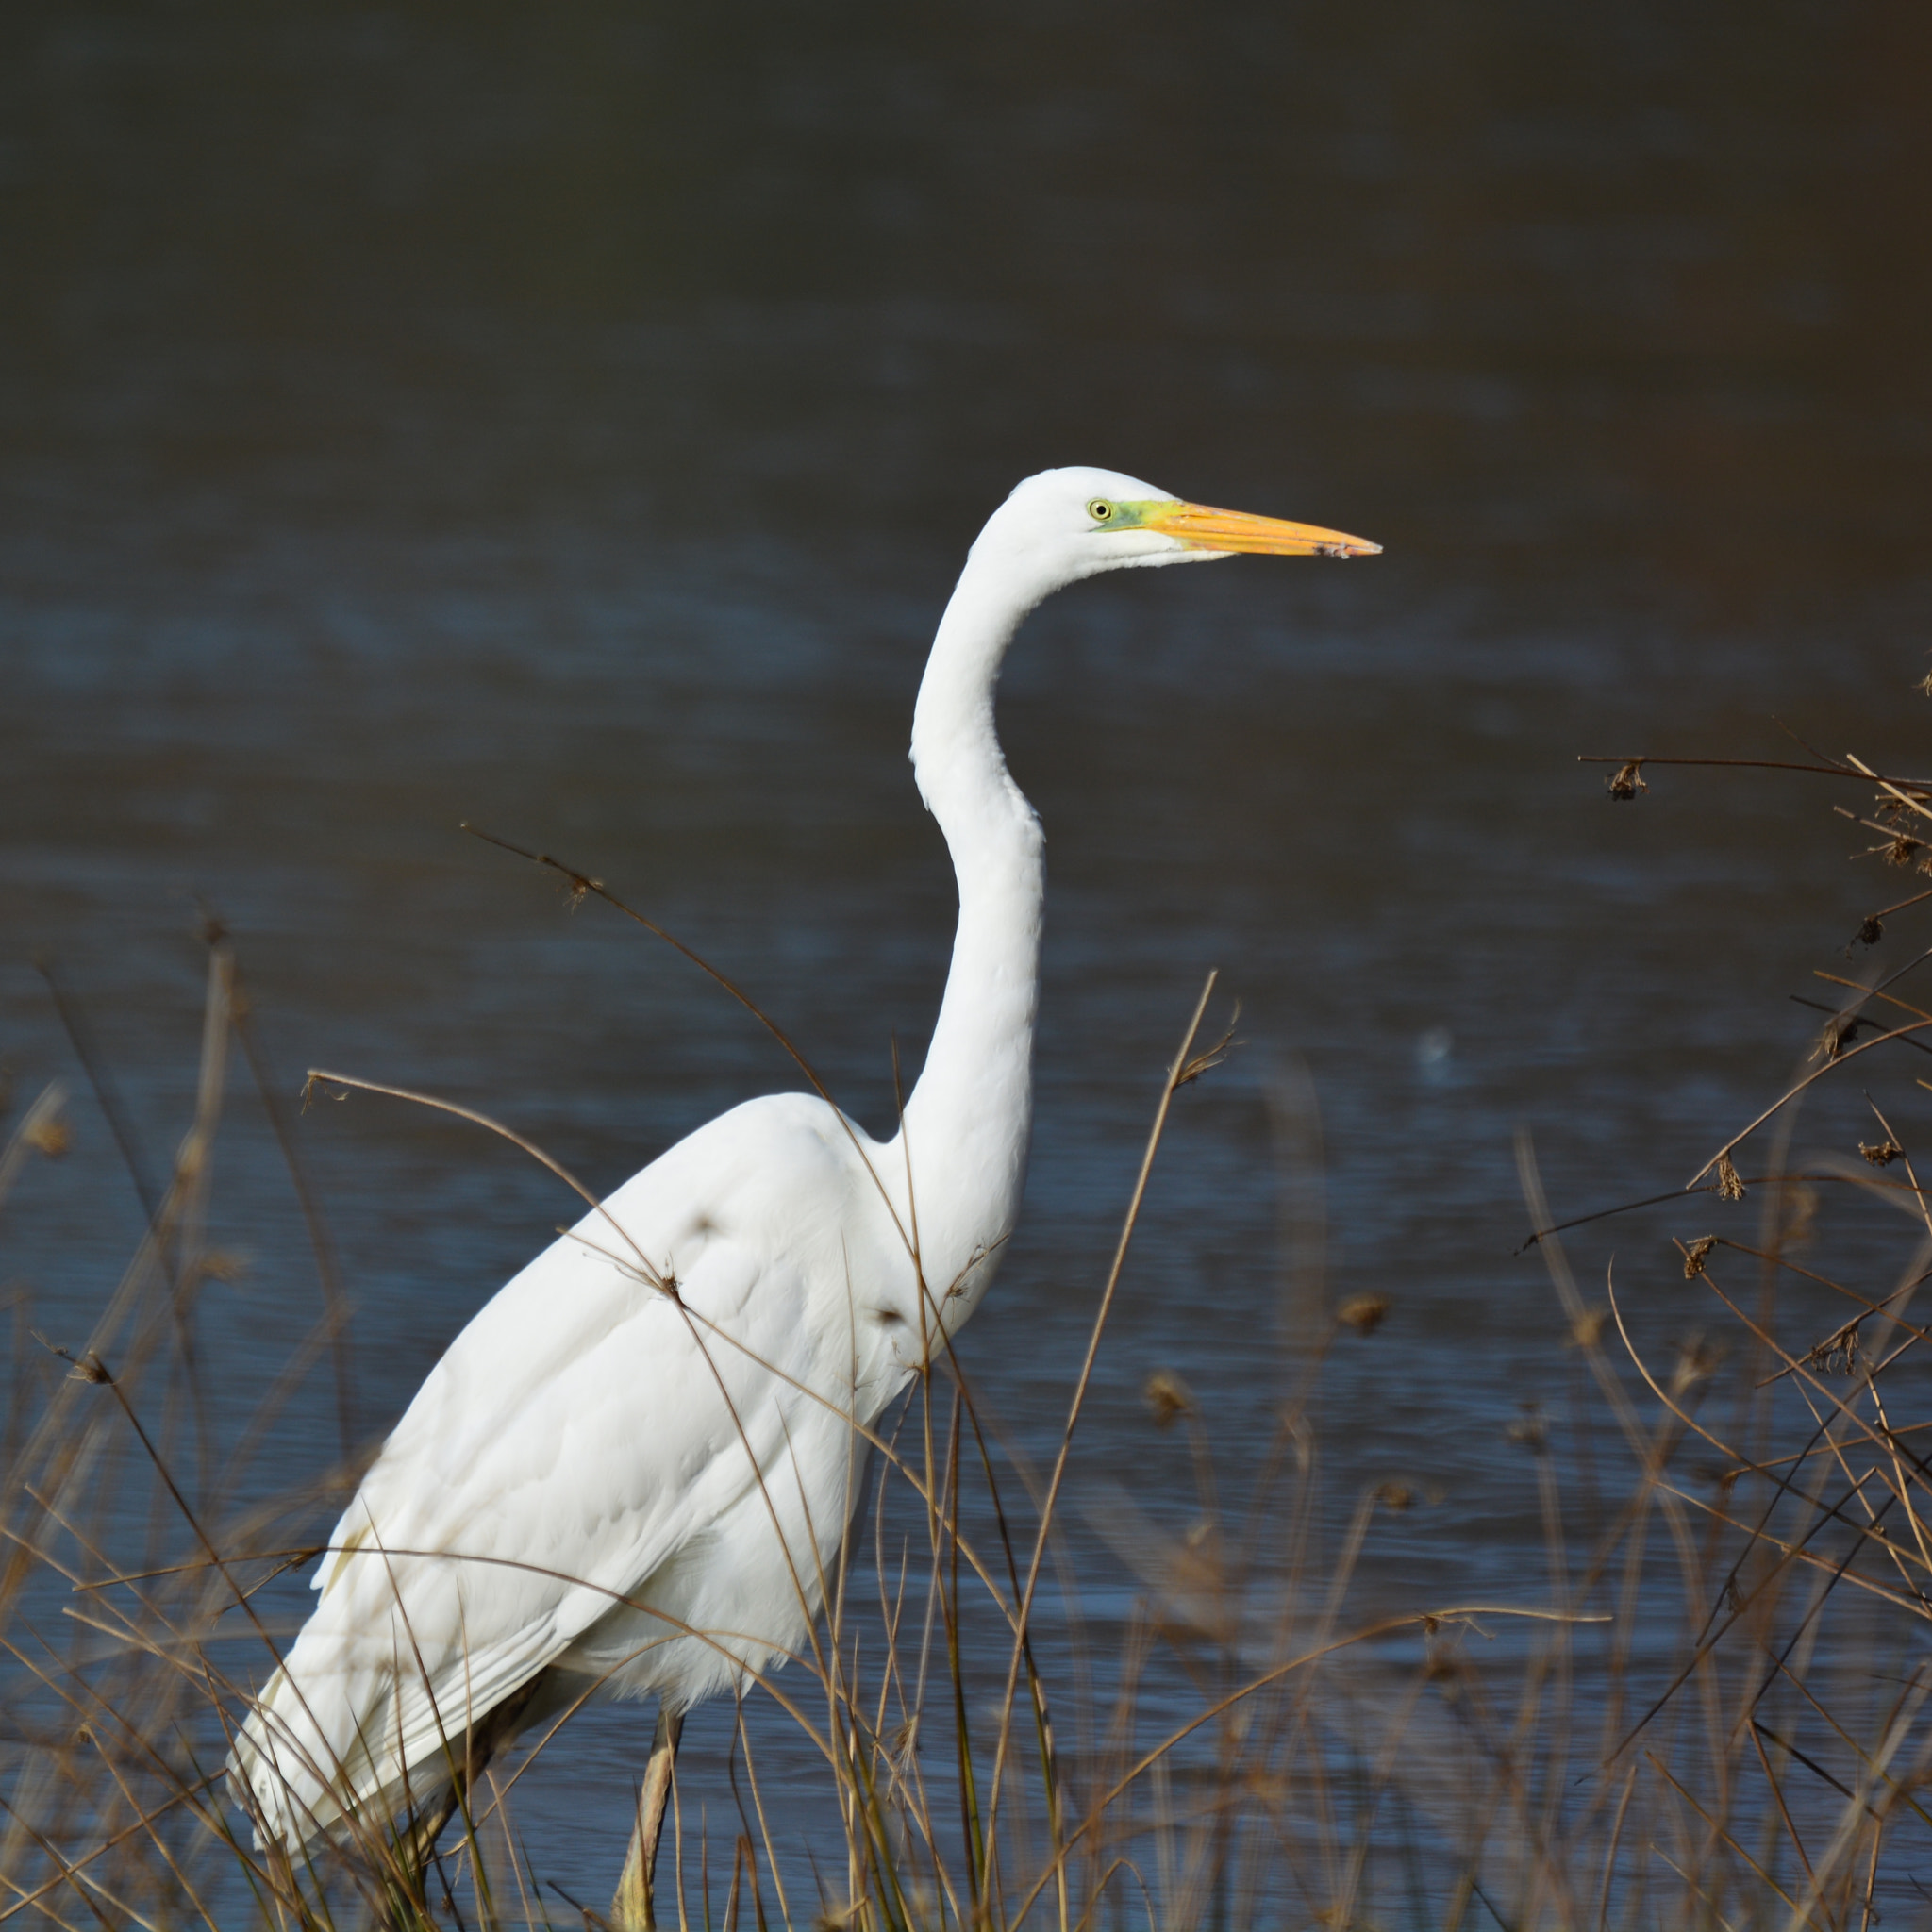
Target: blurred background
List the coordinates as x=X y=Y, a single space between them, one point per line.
x=572 y=420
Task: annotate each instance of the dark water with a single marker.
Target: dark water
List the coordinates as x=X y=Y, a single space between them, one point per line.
x=572 y=420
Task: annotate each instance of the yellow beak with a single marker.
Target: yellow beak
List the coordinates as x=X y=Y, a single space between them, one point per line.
x=1234 y=529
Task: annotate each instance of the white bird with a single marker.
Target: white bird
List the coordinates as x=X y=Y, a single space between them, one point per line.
x=632 y=1469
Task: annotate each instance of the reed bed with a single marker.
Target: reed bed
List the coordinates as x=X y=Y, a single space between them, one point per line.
x=1706 y=1707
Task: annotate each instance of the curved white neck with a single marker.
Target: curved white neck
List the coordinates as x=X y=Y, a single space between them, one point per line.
x=967 y=1121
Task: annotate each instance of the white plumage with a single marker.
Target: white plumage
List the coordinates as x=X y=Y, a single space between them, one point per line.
x=633 y=1467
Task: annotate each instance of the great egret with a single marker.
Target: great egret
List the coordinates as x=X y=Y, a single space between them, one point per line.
x=632 y=1469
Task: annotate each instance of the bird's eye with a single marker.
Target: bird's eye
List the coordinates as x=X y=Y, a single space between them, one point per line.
x=1100 y=509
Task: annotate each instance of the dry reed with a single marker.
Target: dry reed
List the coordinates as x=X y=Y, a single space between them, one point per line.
x=1712 y=1711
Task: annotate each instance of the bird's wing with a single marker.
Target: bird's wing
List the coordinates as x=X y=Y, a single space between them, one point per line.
x=582 y=1428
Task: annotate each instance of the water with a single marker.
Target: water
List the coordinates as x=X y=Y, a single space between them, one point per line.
x=572 y=423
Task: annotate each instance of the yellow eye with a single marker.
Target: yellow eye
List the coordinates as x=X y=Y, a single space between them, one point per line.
x=1100 y=509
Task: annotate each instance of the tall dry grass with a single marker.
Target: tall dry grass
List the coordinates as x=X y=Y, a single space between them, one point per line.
x=1706 y=1707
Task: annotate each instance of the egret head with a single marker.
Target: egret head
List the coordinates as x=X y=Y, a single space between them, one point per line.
x=1063 y=525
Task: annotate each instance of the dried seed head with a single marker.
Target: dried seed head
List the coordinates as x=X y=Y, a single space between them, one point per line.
x=1588 y=1328
x=1800 y=1203
x=193 y=1157
x=1362 y=1313
x=1868 y=933
x=1166 y=1396
x=1695 y=1255
x=1925 y=684
x=1207 y=1061
x=1902 y=848
x=1837 y=1355
x=1628 y=781
x=1697 y=1362
x=1836 y=1034
x=1530 y=1429
x=1395 y=1497
x=1880 y=1153
x=1729 y=1186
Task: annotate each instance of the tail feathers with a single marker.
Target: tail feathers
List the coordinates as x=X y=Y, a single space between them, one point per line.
x=295 y=1782
x=336 y=1753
